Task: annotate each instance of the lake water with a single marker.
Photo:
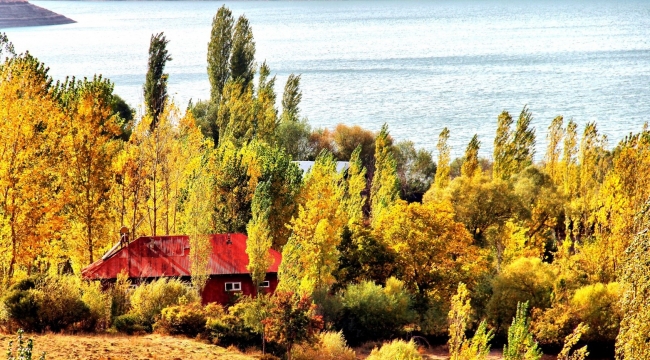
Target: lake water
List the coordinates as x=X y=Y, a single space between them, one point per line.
x=416 y=65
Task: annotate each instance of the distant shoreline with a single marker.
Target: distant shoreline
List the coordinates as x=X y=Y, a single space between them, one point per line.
x=20 y=13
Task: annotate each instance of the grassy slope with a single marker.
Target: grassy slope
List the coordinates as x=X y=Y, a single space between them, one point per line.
x=119 y=347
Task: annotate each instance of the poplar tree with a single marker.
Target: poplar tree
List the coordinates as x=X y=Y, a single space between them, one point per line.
x=356 y=184
x=569 y=151
x=242 y=66
x=219 y=49
x=444 y=169
x=471 y=166
x=92 y=132
x=266 y=115
x=155 y=87
x=523 y=141
x=291 y=99
x=260 y=238
x=502 y=147
x=552 y=158
x=384 y=189
x=311 y=255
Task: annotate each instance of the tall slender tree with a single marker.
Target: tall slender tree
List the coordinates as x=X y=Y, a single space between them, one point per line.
x=260 y=238
x=155 y=86
x=384 y=189
x=242 y=59
x=502 y=147
x=219 y=49
x=291 y=99
x=444 y=169
x=552 y=159
x=523 y=141
x=471 y=166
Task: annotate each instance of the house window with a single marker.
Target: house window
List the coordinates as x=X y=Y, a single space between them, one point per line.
x=265 y=284
x=233 y=286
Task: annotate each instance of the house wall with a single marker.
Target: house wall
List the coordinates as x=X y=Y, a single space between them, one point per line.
x=215 y=288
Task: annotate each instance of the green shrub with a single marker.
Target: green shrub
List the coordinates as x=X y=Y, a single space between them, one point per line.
x=99 y=306
x=232 y=330
x=24 y=351
x=22 y=307
x=128 y=324
x=120 y=295
x=61 y=305
x=187 y=320
x=521 y=345
x=148 y=300
x=371 y=312
x=396 y=350
x=330 y=346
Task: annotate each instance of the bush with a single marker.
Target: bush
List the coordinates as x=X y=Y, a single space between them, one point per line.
x=148 y=300
x=99 y=306
x=330 y=346
x=371 y=312
x=234 y=327
x=22 y=306
x=524 y=280
x=598 y=307
x=187 y=320
x=61 y=305
x=128 y=324
x=396 y=350
x=121 y=295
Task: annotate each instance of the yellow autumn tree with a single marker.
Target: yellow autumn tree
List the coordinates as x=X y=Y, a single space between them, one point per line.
x=310 y=255
x=31 y=158
x=434 y=252
x=90 y=151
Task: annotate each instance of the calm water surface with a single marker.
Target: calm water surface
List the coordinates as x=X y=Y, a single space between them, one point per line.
x=416 y=65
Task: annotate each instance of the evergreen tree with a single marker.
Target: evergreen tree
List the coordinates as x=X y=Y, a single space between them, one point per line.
x=471 y=166
x=155 y=87
x=291 y=99
x=242 y=66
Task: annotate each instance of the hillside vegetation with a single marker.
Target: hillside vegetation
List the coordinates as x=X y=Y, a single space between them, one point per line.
x=548 y=254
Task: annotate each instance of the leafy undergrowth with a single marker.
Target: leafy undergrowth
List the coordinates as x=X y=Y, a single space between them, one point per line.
x=121 y=347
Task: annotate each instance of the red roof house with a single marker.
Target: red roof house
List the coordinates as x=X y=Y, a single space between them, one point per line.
x=153 y=257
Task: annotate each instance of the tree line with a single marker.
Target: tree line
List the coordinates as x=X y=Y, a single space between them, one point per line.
x=565 y=235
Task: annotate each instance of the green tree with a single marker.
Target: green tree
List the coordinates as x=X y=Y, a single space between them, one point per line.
x=523 y=141
x=471 y=166
x=219 y=49
x=291 y=99
x=242 y=58
x=155 y=86
x=384 y=190
x=415 y=169
x=521 y=345
x=502 y=147
x=6 y=47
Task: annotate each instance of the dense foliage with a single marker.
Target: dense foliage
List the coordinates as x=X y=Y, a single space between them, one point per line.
x=381 y=246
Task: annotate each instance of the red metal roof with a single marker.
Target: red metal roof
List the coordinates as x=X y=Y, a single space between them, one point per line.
x=159 y=256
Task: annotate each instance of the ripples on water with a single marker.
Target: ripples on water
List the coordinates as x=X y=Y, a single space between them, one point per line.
x=416 y=65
